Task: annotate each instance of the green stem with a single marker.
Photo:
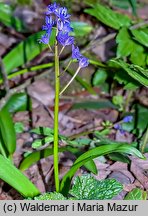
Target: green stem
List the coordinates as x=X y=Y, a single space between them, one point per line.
x=127 y=101
x=56 y=111
x=77 y=71
x=144 y=141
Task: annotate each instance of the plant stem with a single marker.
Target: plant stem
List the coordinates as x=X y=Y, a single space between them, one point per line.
x=77 y=71
x=56 y=111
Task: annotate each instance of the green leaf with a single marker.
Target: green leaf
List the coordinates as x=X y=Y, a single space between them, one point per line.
x=133 y=4
x=87 y=187
x=109 y=17
x=136 y=194
x=10 y=174
x=25 y=51
x=141 y=35
x=127 y=46
x=93 y=105
x=99 y=77
x=19 y=127
x=141 y=121
x=38 y=155
x=93 y=153
x=41 y=142
x=50 y=196
x=132 y=71
x=91 y=166
x=17 y=102
x=7 y=132
x=81 y=29
x=46 y=131
x=8 y=19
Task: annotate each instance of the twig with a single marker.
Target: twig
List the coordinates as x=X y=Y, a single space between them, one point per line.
x=139 y=25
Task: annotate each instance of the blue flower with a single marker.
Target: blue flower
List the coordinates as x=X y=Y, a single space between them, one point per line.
x=62 y=14
x=127 y=119
x=119 y=127
x=83 y=62
x=65 y=39
x=48 y=25
x=52 y=8
x=76 y=53
x=64 y=26
x=44 y=39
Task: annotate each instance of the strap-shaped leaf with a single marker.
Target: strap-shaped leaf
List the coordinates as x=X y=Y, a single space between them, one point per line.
x=25 y=51
x=91 y=154
x=10 y=174
x=7 y=131
x=38 y=155
x=17 y=102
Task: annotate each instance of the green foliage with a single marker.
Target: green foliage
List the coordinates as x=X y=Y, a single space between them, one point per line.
x=93 y=153
x=141 y=35
x=18 y=102
x=8 y=19
x=135 y=72
x=10 y=174
x=25 y=51
x=127 y=46
x=109 y=17
x=50 y=196
x=94 y=105
x=85 y=29
x=118 y=101
x=99 y=77
x=136 y=194
x=7 y=134
x=19 y=127
x=88 y=188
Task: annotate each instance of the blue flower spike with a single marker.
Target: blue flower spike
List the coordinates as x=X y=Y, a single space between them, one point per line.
x=58 y=17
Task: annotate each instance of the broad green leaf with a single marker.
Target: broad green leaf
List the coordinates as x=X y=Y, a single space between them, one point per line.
x=81 y=29
x=10 y=174
x=109 y=17
x=127 y=46
x=99 y=77
x=7 y=132
x=50 y=196
x=87 y=187
x=133 y=72
x=25 y=51
x=93 y=105
x=136 y=194
x=17 y=102
x=8 y=19
x=141 y=35
x=93 y=153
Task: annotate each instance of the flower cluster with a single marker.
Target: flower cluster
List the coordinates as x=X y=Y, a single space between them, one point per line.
x=58 y=17
x=126 y=119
